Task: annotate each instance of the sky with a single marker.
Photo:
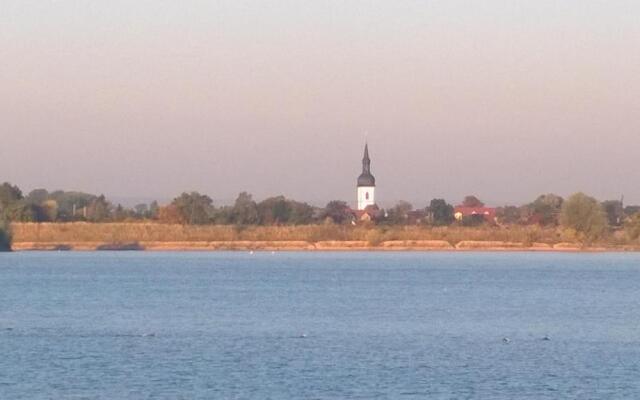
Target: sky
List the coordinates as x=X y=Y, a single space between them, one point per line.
x=503 y=99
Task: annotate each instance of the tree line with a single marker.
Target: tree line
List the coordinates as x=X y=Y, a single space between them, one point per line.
x=589 y=218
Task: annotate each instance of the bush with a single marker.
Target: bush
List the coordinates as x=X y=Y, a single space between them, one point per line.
x=569 y=235
x=632 y=227
x=375 y=237
x=473 y=220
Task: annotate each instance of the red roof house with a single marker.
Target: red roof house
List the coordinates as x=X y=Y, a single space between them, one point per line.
x=488 y=213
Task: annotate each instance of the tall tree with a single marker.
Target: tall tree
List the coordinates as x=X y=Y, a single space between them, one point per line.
x=39 y=207
x=38 y=196
x=9 y=194
x=441 y=212
x=280 y=210
x=141 y=210
x=245 y=210
x=170 y=215
x=99 y=209
x=274 y=210
x=5 y=234
x=194 y=208
x=472 y=201
x=338 y=211
x=508 y=215
x=153 y=209
x=24 y=211
x=71 y=204
x=630 y=211
x=301 y=213
x=585 y=215
x=121 y=213
x=546 y=209
x=399 y=213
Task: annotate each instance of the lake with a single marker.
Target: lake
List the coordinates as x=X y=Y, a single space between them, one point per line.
x=142 y=325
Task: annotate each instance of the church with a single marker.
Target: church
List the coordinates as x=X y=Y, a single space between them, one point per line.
x=366 y=182
x=367 y=209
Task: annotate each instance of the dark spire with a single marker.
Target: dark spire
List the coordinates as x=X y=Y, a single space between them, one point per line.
x=366 y=161
x=366 y=179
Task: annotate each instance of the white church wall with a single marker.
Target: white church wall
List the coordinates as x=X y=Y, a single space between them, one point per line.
x=363 y=199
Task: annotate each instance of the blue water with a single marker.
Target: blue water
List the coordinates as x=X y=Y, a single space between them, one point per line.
x=122 y=325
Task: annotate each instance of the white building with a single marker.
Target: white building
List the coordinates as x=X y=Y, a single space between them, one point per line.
x=366 y=183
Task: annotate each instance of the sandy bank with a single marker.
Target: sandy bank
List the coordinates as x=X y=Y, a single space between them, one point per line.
x=334 y=245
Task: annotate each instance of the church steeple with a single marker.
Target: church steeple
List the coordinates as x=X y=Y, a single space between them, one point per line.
x=366 y=183
x=366 y=161
x=366 y=178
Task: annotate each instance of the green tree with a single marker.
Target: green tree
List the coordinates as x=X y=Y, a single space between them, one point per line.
x=441 y=212
x=153 y=209
x=5 y=234
x=508 y=215
x=274 y=210
x=398 y=214
x=99 y=210
x=121 y=213
x=50 y=210
x=9 y=195
x=584 y=214
x=71 y=204
x=546 y=209
x=194 y=208
x=223 y=216
x=338 y=211
x=280 y=210
x=472 y=201
x=38 y=196
x=41 y=208
x=301 y=213
x=141 y=210
x=24 y=211
x=630 y=211
x=244 y=211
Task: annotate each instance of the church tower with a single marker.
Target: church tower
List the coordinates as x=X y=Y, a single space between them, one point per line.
x=366 y=183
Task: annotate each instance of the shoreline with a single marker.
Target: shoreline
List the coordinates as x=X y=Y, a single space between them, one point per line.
x=393 y=245
x=83 y=236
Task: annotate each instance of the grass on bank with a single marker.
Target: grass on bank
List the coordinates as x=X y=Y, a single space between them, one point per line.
x=374 y=235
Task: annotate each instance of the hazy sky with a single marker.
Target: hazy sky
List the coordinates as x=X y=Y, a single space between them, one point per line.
x=502 y=99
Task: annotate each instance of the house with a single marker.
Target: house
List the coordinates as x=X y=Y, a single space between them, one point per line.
x=416 y=217
x=368 y=214
x=487 y=213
